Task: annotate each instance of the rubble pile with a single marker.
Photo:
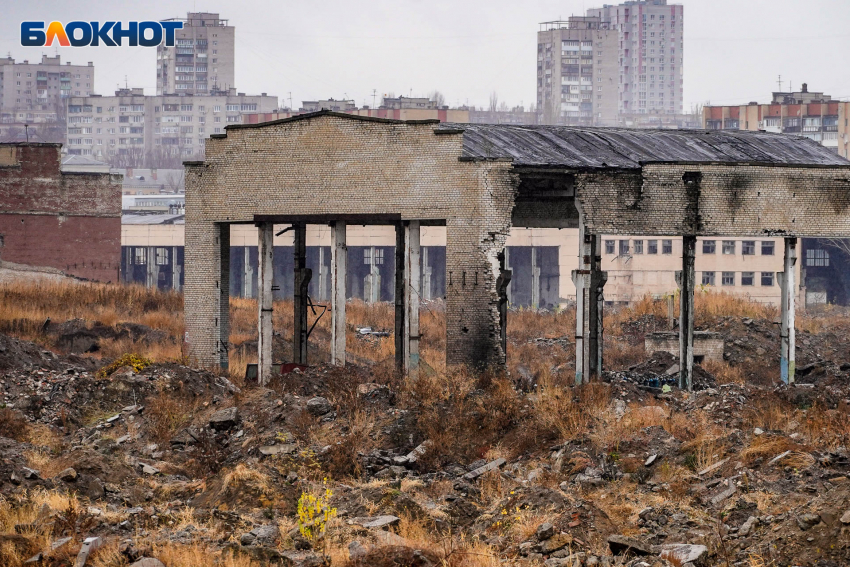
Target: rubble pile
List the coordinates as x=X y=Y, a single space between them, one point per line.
x=640 y=474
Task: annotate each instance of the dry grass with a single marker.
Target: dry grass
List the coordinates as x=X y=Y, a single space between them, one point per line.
x=24 y=306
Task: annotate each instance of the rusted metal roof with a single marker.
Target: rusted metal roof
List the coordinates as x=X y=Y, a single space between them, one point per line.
x=579 y=147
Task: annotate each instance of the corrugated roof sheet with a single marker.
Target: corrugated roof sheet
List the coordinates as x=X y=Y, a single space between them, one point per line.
x=579 y=147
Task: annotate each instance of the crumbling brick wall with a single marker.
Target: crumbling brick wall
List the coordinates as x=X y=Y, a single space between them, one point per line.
x=717 y=200
x=69 y=221
x=335 y=165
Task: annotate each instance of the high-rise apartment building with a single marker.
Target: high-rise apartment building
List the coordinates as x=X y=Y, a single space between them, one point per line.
x=577 y=72
x=35 y=93
x=202 y=59
x=132 y=130
x=649 y=54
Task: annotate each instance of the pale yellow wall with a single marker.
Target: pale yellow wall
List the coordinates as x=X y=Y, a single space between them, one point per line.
x=629 y=278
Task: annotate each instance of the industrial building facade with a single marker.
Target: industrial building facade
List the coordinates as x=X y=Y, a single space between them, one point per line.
x=541 y=260
x=479 y=181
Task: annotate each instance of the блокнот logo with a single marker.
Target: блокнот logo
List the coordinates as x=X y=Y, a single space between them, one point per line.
x=83 y=34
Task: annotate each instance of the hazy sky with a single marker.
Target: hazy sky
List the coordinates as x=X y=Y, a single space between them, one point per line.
x=734 y=49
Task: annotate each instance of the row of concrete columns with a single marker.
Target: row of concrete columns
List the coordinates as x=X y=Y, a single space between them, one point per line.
x=686 y=279
x=408 y=294
x=590 y=281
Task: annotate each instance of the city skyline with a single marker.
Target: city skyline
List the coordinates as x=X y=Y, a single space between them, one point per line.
x=300 y=55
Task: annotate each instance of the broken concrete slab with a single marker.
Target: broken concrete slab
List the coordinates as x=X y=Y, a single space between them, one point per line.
x=556 y=542
x=418 y=451
x=282 y=449
x=90 y=544
x=621 y=544
x=685 y=554
x=224 y=419
x=748 y=526
x=714 y=467
x=724 y=494
x=492 y=465
x=375 y=521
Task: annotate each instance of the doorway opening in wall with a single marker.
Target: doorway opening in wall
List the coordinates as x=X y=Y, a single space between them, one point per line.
x=540 y=314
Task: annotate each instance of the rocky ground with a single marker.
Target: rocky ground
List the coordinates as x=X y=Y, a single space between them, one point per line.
x=165 y=464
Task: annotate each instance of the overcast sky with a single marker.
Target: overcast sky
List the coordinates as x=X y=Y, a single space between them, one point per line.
x=734 y=49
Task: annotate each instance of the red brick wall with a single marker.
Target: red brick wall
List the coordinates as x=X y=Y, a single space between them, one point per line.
x=69 y=221
x=86 y=247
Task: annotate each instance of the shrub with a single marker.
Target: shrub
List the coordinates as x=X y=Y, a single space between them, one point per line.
x=134 y=361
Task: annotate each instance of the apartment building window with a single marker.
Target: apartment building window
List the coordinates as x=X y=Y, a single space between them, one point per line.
x=767 y=279
x=186 y=108
x=216 y=108
x=638 y=246
x=201 y=108
x=728 y=278
x=233 y=108
x=217 y=119
x=666 y=246
x=624 y=248
x=708 y=278
x=709 y=246
x=767 y=248
x=728 y=246
x=652 y=247
x=609 y=246
x=748 y=278
x=748 y=247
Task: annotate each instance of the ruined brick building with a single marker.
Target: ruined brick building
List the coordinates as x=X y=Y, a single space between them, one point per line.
x=478 y=181
x=52 y=218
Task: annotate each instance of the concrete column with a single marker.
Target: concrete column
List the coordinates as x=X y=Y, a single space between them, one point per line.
x=339 y=258
x=175 y=270
x=426 y=275
x=687 y=282
x=323 y=286
x=412 y=298
x=302 y=281
x=150 y=267
x=589 y=280
x=400 y=328
x=503 y=283
x=247 y=274
x=787 y=363
x=265 y=256
x=535 y=280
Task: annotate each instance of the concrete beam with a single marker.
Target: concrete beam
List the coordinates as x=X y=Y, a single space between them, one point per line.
x=339 y=257
x=787 y=362
x=302 y=281
x=412 y=298
x=687 y=281
x=265 y=249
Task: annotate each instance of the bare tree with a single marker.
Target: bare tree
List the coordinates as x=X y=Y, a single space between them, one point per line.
x=438 y=98
x=174 y=181
x=494 y=101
